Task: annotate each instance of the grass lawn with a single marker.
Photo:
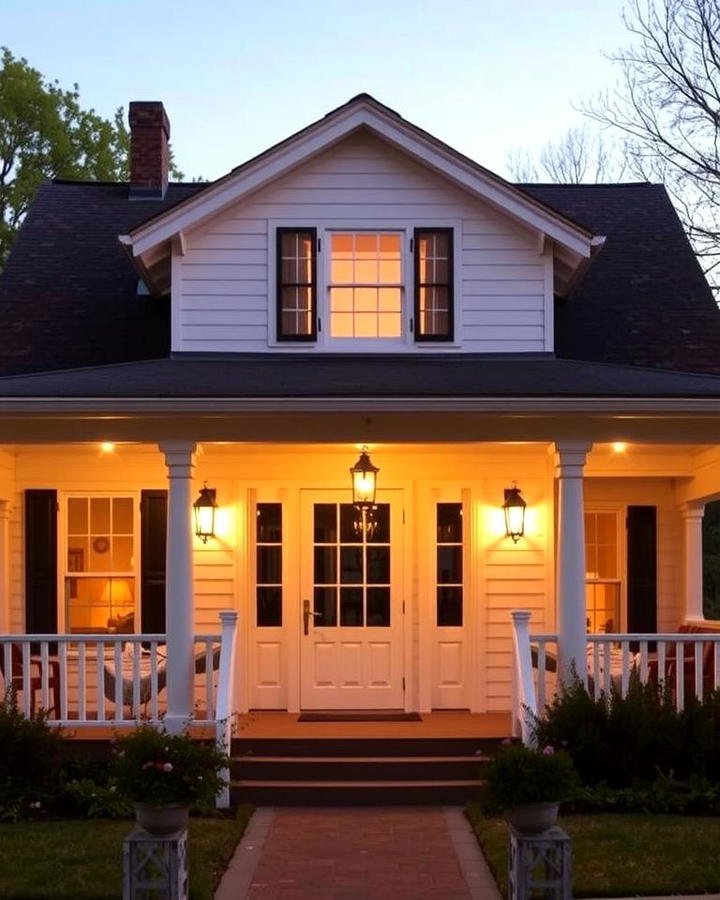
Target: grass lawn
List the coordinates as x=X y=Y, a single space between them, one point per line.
x=625 y=855
x=82 y=858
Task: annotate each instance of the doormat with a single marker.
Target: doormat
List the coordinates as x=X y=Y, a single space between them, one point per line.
x=359 y=715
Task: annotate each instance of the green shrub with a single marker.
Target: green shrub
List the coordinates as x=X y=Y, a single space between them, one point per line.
x=620 y=741
x=518 y=775
x=29 y=759
x=86 y=799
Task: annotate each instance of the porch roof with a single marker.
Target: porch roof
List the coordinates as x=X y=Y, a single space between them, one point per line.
x=353 y=376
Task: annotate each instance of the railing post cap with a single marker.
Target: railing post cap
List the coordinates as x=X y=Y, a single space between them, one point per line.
x=228 y=616
x=520 y=615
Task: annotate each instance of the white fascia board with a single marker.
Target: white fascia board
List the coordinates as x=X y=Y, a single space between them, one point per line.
x=274 y=164
x=512 y=407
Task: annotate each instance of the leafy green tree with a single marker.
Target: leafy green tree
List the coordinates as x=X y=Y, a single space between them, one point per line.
x=45 y=133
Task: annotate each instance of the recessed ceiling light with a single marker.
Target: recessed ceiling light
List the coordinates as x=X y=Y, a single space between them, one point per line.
x=619 y=447
x=107 y=446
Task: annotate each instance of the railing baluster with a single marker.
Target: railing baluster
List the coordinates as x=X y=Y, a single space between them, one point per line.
x=596 y=670
x=541 y=657
x=662 y=674
x=27 y=694
x=136 y=679
x=154 y=681
x=100 y=679
x=679 y=675
x=209 y=700
x=699 y=648
x=63 y=665
x=82 y=686
x=44 y=678
x=607 y=665
x=119 y=685
x=625 y=668
x=644 y=669
x=7 y=666
x=716 y=665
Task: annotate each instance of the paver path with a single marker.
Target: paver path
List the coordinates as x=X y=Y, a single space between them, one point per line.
x=358 y=854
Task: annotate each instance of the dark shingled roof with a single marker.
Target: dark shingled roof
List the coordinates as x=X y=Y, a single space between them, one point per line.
x=276 y=375
x=68 y=295
x=69 y=299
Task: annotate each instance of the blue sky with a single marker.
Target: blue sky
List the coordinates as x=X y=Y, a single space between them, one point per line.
x=485 y=76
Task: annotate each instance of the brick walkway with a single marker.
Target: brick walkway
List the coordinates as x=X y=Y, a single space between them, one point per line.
x=358 y=854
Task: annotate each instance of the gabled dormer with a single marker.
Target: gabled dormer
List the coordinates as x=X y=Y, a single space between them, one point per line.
x=361 y=233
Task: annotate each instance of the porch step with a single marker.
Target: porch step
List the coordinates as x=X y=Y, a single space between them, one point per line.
x=355 y=793
x=358 y=768
x=357 y=771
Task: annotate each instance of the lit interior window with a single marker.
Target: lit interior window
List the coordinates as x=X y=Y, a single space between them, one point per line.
x=365 y=285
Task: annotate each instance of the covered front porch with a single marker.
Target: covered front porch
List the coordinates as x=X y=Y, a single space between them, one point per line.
x=118 y=609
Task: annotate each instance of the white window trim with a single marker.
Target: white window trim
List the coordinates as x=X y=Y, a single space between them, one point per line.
x=62 y=537
x=406 y=343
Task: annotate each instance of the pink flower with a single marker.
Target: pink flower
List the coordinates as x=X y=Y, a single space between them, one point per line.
x=167 y=767
x=548 y=751
x=148 y=765
x=506 y=741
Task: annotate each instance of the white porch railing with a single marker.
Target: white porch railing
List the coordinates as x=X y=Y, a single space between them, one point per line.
x=94 y=680
x=684 y=663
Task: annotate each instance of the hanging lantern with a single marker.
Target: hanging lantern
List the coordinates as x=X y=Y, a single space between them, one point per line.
x=514 y=509
x=204 y=508
x=364 y=481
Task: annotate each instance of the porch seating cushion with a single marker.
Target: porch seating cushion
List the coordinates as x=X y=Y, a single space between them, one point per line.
x=689 y=656
x=35 y=677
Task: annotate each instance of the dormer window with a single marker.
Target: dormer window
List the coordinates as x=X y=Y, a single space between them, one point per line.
x=370 y=289
x=366 y=285
x=297 y=284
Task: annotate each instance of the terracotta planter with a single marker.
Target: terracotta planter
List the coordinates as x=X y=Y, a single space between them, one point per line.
x=533 y=818
x=162 y=819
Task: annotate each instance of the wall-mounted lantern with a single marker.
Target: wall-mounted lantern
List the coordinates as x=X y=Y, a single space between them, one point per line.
x=364 y=481
x=204 y=509
x=514 y=509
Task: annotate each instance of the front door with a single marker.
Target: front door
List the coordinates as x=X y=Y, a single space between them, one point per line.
x=351 y=595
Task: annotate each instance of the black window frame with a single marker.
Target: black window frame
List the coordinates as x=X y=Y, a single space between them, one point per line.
x=280 y=284
x=449 y=335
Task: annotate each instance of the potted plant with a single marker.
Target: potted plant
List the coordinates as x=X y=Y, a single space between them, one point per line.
x=164 y=775
x=528 y=785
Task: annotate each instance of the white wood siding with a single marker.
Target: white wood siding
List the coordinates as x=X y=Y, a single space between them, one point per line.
x=223 y=287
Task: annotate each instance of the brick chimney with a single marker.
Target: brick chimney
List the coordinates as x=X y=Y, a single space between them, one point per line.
x=149 y=150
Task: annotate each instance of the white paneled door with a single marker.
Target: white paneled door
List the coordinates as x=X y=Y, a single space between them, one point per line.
x=352 y=606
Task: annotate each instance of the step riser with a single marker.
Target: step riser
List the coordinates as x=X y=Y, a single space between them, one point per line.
x=355 y=796
x=363 y=747
x=338 y=770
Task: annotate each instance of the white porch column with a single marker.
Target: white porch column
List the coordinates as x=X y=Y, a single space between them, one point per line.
x=692 y=514
x=180 y=461
x=4 y=567
x=569 y=463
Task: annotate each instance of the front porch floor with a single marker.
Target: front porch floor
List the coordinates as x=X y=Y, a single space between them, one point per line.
x=438 y=724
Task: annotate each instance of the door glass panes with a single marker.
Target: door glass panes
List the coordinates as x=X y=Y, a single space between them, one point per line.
x=268 y=562
x=100 y=565
x=602 y=572
x=351 y=566
x=449 y=560
x=365 y=285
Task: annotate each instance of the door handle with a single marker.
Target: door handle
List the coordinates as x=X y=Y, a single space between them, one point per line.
x=307 y=613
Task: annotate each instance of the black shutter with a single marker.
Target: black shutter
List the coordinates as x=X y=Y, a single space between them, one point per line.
x=642 y=569
x=153 y=539
x=41 y=562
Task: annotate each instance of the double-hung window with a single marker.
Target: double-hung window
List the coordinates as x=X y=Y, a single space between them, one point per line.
x=100 y=564
x=386 y=287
